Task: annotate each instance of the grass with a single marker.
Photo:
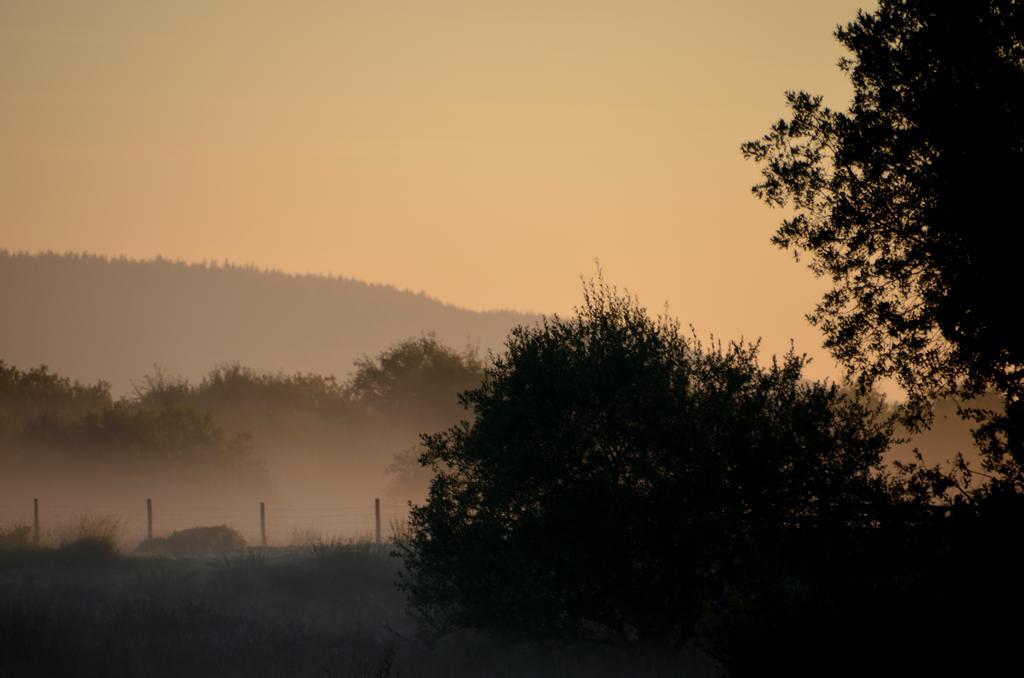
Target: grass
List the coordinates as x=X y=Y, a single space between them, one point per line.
x=329 y=609
x=95 y=529
x=89 y=541
x=15 y=538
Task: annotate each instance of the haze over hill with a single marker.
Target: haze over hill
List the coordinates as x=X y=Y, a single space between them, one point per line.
x=92 y=318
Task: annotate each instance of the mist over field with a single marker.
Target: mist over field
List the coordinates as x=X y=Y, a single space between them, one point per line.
x=316 y=451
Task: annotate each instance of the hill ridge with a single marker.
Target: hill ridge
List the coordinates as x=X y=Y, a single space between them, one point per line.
x=94 y=316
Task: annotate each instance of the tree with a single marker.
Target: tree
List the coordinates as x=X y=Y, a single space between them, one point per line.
x=26 y=395
x=411 y=387
x=416 y=379
x=906 y=201
x=168 y=436
x=615 y=472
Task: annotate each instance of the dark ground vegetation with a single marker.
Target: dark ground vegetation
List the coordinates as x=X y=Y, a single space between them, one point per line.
x=326 y=609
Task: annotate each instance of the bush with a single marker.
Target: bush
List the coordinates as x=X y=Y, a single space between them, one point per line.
x=92 y=540
x=89 y=551
x=618 y=475
x=195 y=542
x=98 y=528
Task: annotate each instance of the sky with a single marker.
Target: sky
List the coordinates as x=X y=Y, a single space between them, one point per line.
x=484 y=152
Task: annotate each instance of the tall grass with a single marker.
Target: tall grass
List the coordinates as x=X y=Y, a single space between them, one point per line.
x=329 y=610
x=305 y=536
x=91 y=540
x=90 y=528
x=93 y=533
x=15 y=537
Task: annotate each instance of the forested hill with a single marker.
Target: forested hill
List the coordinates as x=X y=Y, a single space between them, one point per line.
x=93 y=318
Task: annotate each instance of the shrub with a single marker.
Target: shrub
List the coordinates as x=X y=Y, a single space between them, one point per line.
x=92 y=540
x=89 y=551
x=98 y=528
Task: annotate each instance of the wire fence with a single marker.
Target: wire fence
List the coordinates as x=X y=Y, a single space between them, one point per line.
x=260 y=523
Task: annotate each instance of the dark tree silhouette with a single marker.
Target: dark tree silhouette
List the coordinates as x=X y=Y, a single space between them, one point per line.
x=906 y=201
x=616 y=472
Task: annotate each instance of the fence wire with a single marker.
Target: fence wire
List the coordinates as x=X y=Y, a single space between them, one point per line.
x=284 y=525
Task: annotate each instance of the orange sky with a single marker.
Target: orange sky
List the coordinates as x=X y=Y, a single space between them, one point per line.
x=485 y=152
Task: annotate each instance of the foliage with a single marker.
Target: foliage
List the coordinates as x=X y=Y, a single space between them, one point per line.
x=28 y=395
x=415 y=383
x=409 y=478
x=903 y=202
x=240 y=421
x=917 y=593
x=92 y=540
x=617 y=472
x=44 y=416
x=89 y=551
x=90 y=527
x=241 y=395
x=127 y=433
x=388 y=400
x=416 y=379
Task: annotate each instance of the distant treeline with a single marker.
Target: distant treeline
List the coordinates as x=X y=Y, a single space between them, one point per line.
x=92 y=317
x=253 y=424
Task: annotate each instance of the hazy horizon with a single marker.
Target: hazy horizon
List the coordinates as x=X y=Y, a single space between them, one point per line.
x=484 y=154
x=120 y=319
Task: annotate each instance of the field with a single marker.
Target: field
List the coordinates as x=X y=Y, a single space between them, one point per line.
x=325 y=610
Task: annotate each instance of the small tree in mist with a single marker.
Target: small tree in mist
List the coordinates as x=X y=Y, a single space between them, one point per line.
x=416 y=380
x=408 y=388
x=617 y=473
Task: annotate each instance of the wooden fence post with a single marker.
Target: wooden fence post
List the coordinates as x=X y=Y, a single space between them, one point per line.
x=376 y=515
x=149 y=519
x=263 y=524
x=35 y=520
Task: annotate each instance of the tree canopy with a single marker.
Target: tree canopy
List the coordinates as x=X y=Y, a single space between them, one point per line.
x=615 y=471
x=906 y=200
x=26 y=395
x=416 y=379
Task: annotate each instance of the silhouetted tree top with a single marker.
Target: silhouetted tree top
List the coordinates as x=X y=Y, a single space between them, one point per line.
x=236 y=387
x=615 y=471
x=906 y=200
